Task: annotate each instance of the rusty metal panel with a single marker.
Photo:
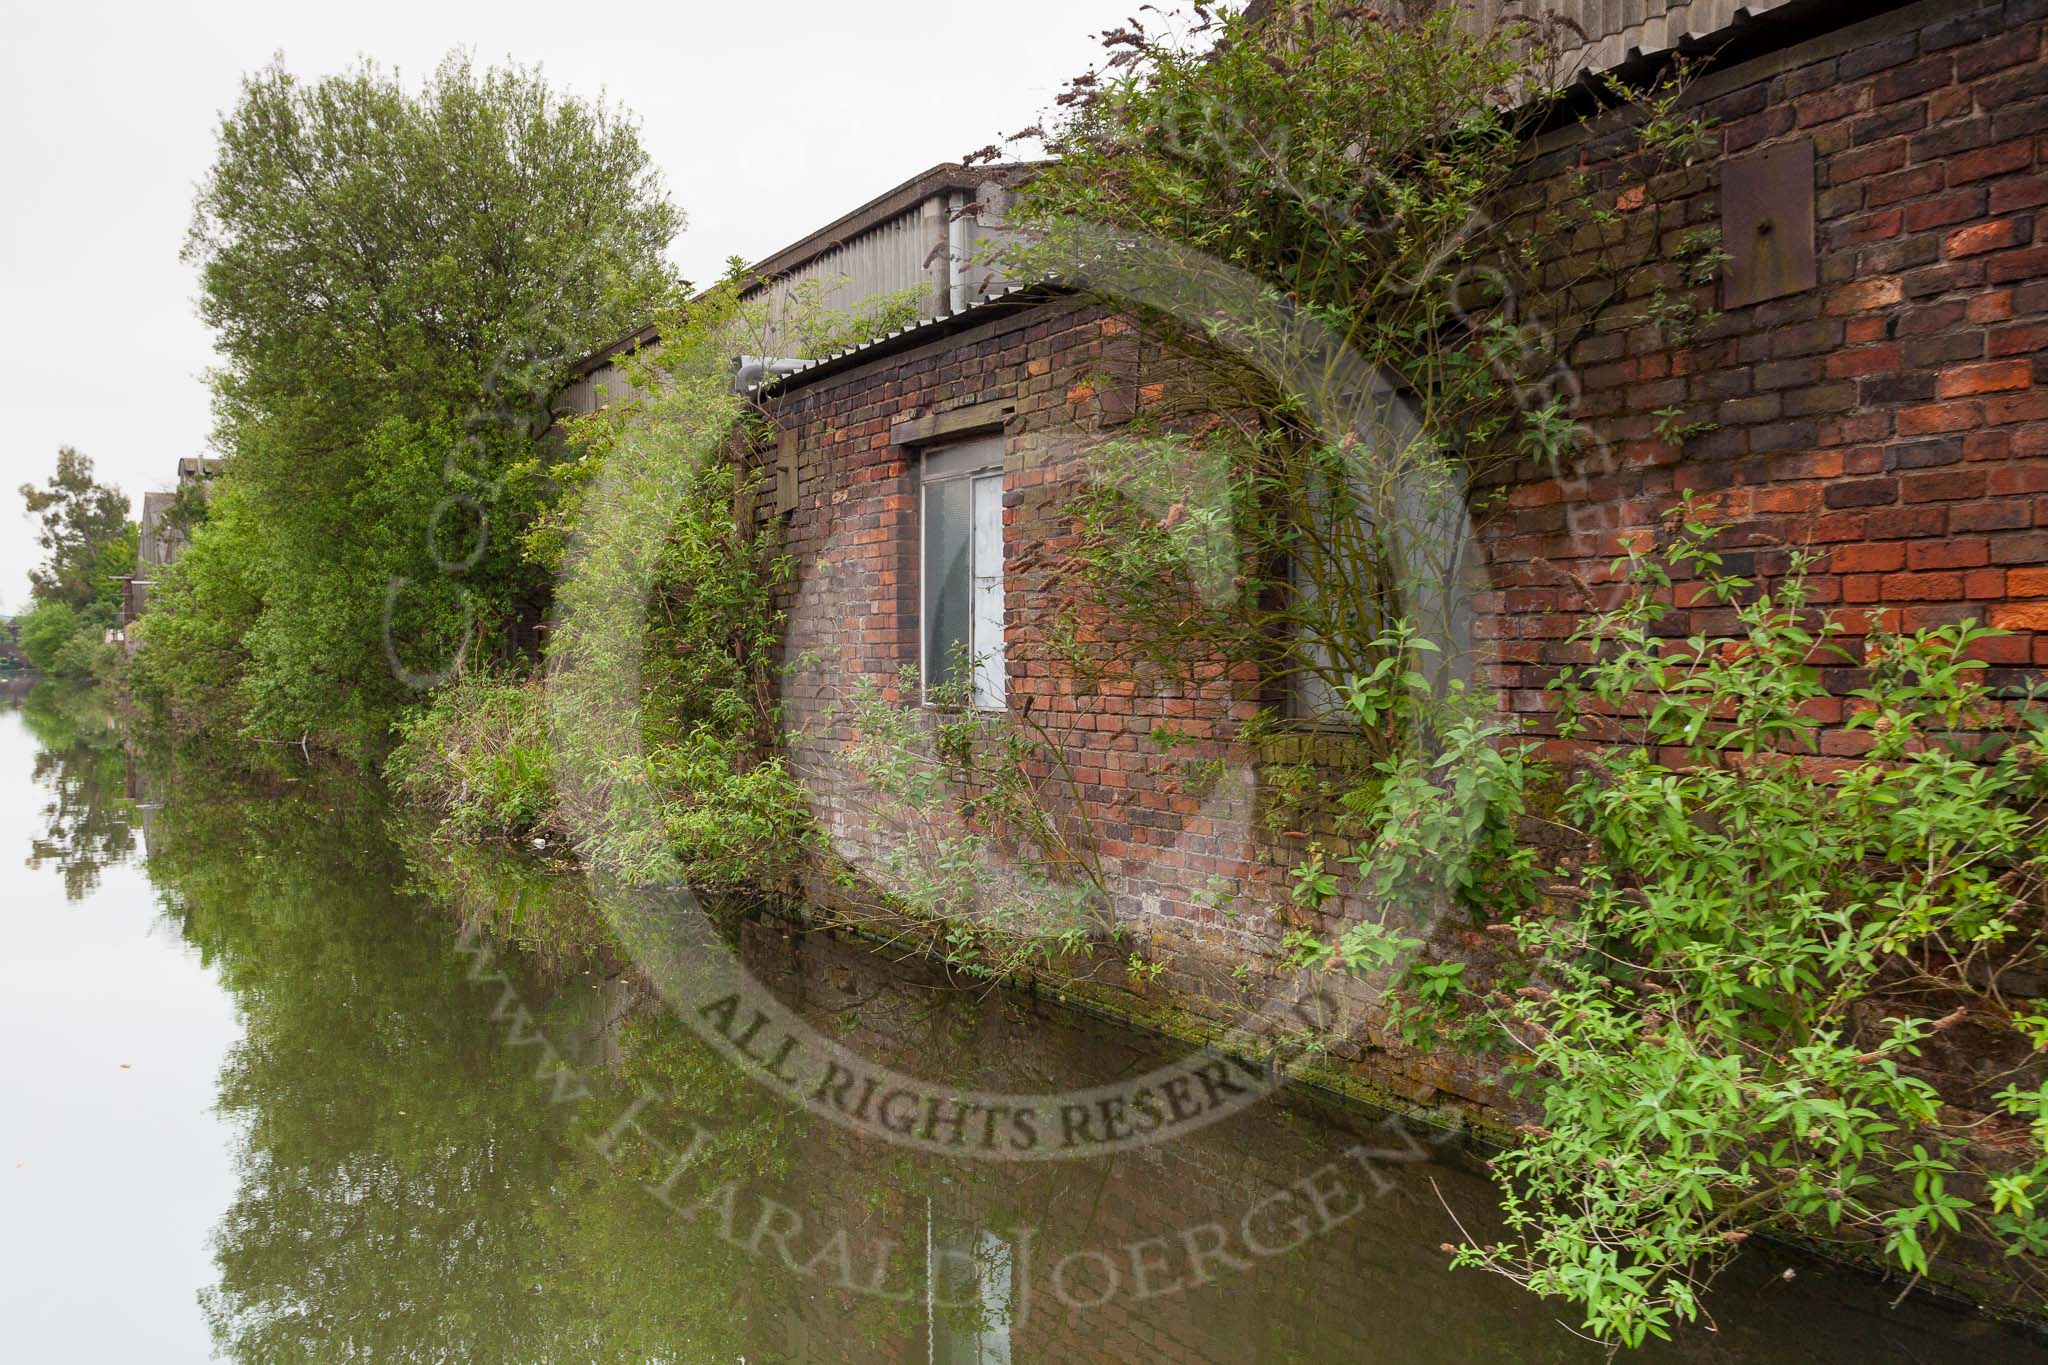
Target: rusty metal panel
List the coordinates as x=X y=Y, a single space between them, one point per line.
x=785 y=472
x=1767 y=224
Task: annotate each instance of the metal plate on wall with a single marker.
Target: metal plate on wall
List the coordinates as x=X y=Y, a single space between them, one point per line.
x=1767 y=224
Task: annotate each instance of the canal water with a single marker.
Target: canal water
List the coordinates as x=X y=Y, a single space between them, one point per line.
x=285 y=1083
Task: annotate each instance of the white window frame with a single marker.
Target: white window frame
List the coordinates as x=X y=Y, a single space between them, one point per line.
x=979 y=463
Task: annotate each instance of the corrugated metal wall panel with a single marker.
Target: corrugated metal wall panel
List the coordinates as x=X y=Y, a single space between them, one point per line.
x=906 y=251
x=888 y=257
x=158 y=544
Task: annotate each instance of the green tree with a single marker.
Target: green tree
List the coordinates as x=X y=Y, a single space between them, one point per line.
x=86 y=536
x=44 y=633
x=397 y=280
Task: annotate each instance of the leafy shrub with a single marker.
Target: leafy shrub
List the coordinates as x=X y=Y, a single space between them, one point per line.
x=84 y=655
x=45 y=632
x=1745 y=983
x=479 y=754
x=1746 y=979
x=722 y=816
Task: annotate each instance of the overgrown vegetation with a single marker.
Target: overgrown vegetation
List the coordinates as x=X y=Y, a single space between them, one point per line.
x=1764 y=992
x=478 y=754
x=656 y=744
x=677 y=648
x=397 y=279
x=1755 y=993
x=1738 y=1002
x=1328 y=216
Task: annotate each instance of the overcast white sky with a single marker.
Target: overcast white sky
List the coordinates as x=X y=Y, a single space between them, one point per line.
x=767 y=120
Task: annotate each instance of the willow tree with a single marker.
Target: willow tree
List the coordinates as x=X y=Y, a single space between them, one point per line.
x=396 y=278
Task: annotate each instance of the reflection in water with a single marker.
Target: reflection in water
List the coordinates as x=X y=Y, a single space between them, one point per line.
x=972 y=1272
x=418 y=1178
x=81 y=767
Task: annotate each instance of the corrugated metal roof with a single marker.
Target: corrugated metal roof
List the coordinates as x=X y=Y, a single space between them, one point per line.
x=1617 y=30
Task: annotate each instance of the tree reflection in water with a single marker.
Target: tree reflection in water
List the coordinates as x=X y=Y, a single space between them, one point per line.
x=82 y=765
x=407 y=1191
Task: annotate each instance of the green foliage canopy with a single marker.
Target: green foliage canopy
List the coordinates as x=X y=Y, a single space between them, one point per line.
x=45 y=631
x=88 y=541
x=397 y=280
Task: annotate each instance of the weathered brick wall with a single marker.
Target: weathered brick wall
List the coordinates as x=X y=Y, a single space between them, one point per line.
x=1892 y=418
x=1066 y=375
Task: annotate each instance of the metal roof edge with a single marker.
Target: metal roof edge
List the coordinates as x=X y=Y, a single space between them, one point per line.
x=911 y=334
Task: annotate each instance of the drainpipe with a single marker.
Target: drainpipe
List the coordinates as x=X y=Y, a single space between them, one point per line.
x=956 y=252
x=931 y=235
x=755 y=370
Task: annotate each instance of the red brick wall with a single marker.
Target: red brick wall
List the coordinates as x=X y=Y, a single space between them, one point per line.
x=1892 y=417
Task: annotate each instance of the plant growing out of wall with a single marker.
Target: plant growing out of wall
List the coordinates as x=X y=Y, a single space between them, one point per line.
x=1770 y=993
x=1372 y=175
x=986 y=850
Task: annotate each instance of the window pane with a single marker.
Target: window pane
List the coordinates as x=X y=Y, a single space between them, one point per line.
x=1314 y=696
x=947 y=544
x=1341 y=554
x=988 y=590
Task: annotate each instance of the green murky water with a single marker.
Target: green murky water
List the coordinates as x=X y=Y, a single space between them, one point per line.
x=272 y=1094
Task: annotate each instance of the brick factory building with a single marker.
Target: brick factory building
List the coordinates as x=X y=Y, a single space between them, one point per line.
x=1874 y=390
